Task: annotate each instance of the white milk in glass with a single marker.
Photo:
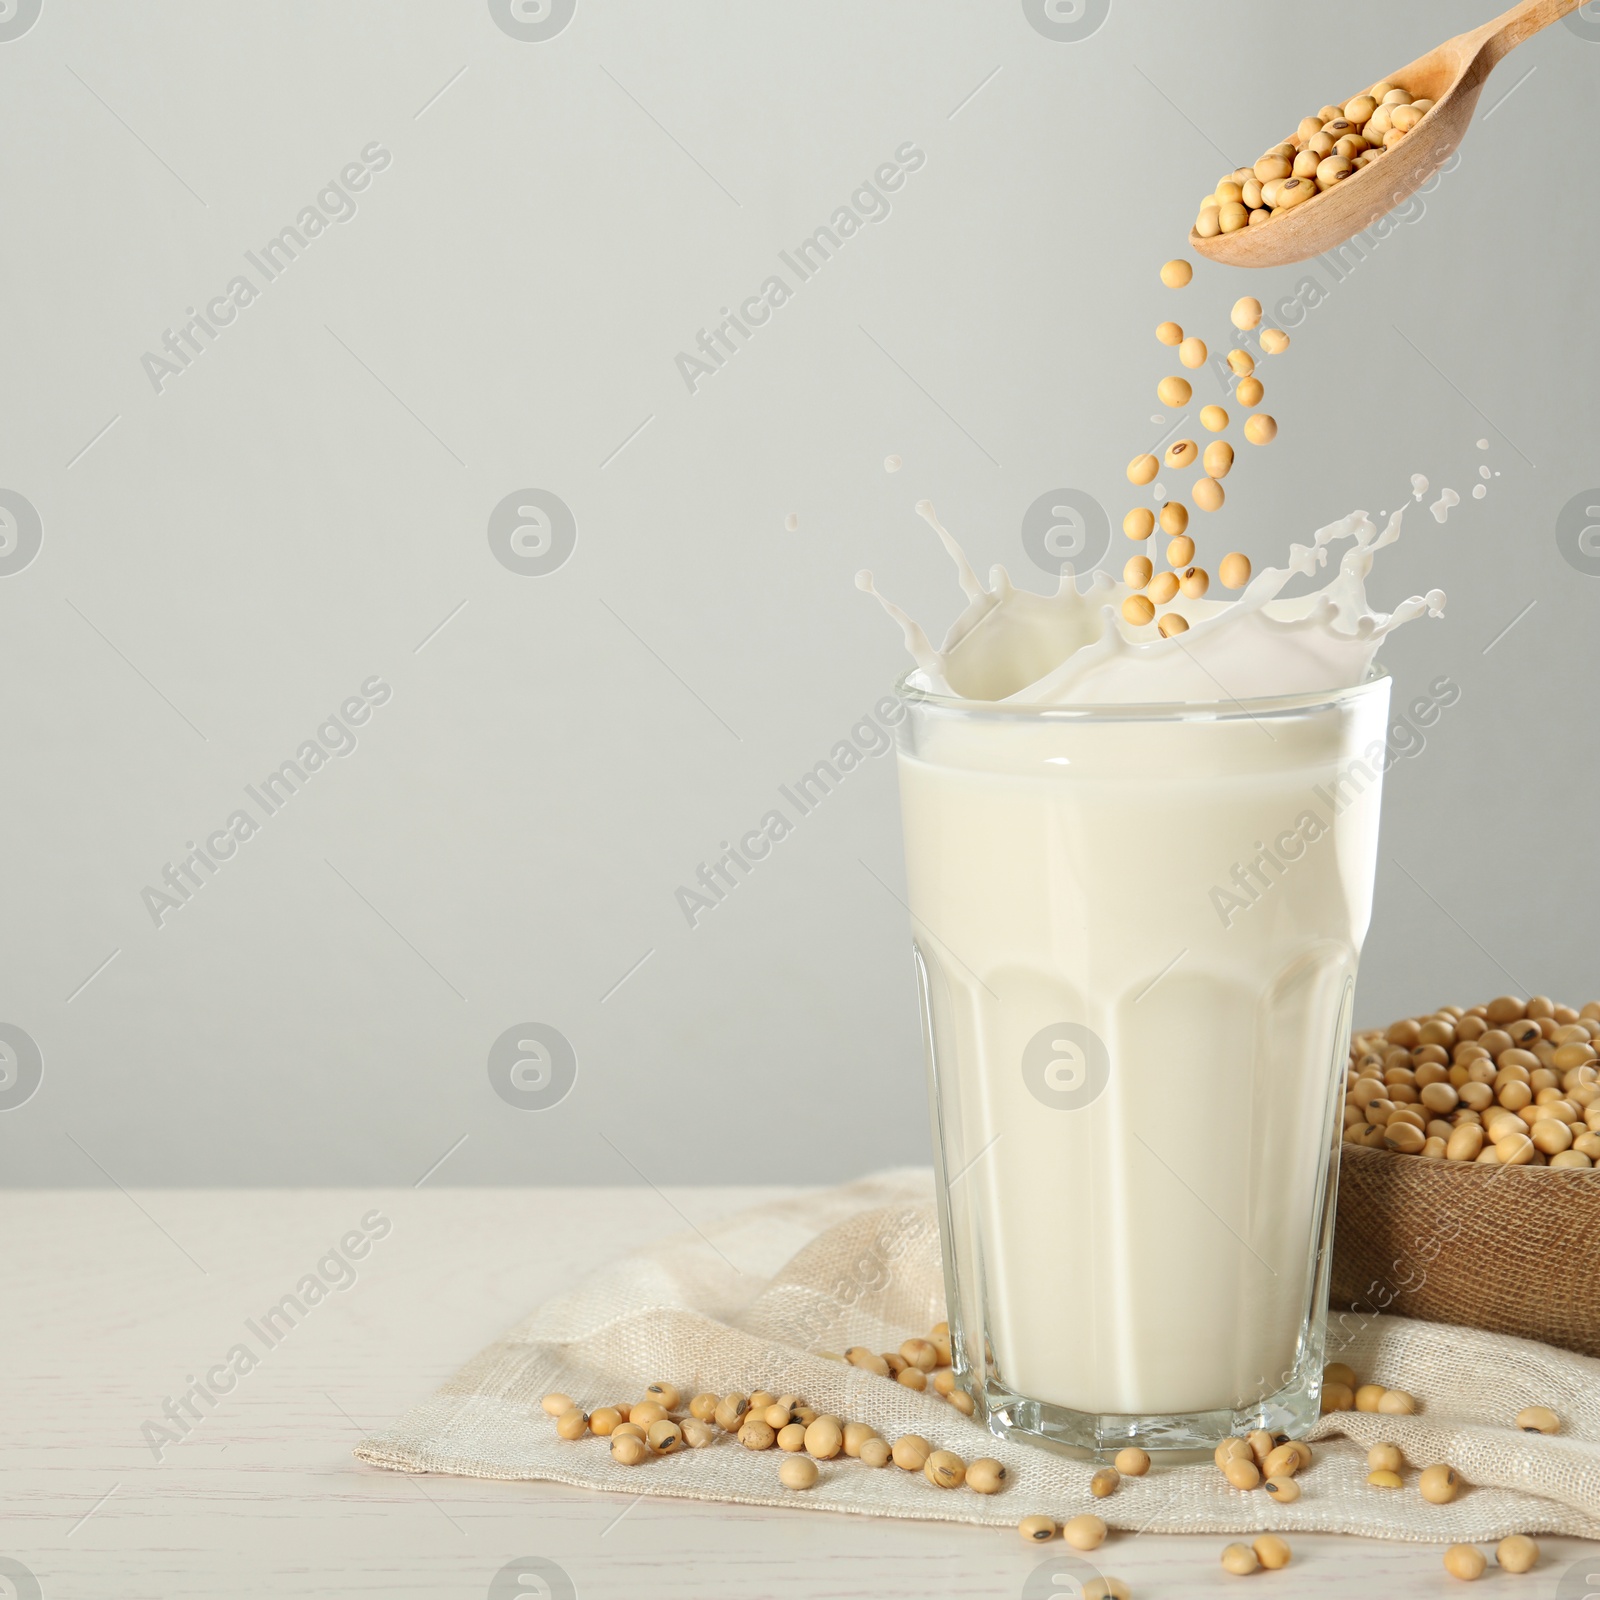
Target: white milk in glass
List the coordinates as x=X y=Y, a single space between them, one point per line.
x=1149 y=1251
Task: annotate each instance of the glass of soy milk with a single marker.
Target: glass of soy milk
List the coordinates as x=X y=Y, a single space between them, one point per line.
x=1136 y=929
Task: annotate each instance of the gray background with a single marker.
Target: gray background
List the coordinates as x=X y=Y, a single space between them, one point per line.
x=224 y=562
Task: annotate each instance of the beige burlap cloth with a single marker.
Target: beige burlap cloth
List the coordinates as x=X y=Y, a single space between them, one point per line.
x=743 y=1304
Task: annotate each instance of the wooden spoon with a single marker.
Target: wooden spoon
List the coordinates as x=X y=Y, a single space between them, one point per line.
x=1452 y=75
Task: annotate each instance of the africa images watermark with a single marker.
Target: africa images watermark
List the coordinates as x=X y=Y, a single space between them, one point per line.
x=333 y=1273
x=16 y=17
x=533 y=1066
x=1347 y=1322
x=1066 y=531
x=532 y=532
x=1585 y=21
x=532 y=21
x=21 y=1066
x=1578 y=532
x=1252 y=880
x=717 y=879
x=1066 y=21
x=868 y=203
x=1342 y=261
x=21 y=532
x=829 y=1318
x=1066 y=1066
x=334 y=738
x=532 y=1578
x=1382 y=1295
x=332 y=203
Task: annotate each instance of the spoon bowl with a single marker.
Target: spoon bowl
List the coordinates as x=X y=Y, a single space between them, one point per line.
x=1452 y=75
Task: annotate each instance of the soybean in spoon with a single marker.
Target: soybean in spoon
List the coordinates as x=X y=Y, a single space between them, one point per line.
x=1317 y=213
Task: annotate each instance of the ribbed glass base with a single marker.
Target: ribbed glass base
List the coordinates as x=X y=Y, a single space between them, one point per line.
x=1289 y=1414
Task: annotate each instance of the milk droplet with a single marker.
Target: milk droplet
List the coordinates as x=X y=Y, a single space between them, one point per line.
x=1159 y=420
x=1484 y=473
x=1419 y=485
x=891 y=463
x=1159 y=490
x=792 y=521
x=1441 y=507
x=1479 y=491
x=1483 y=444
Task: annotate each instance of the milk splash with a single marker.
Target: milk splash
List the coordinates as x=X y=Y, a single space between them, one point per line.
x=1072 y=647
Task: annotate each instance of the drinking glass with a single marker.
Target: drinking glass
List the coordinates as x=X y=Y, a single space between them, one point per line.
x=1136 y=931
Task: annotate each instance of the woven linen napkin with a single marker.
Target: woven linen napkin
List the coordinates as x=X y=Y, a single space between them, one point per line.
x=747 y=1302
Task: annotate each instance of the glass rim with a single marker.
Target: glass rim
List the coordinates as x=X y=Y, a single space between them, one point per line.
x=912 y=696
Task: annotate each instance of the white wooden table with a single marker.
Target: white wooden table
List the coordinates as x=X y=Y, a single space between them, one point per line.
x=111 y=1301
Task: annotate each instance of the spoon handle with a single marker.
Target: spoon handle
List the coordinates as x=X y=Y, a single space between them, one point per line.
x=1505 y=33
